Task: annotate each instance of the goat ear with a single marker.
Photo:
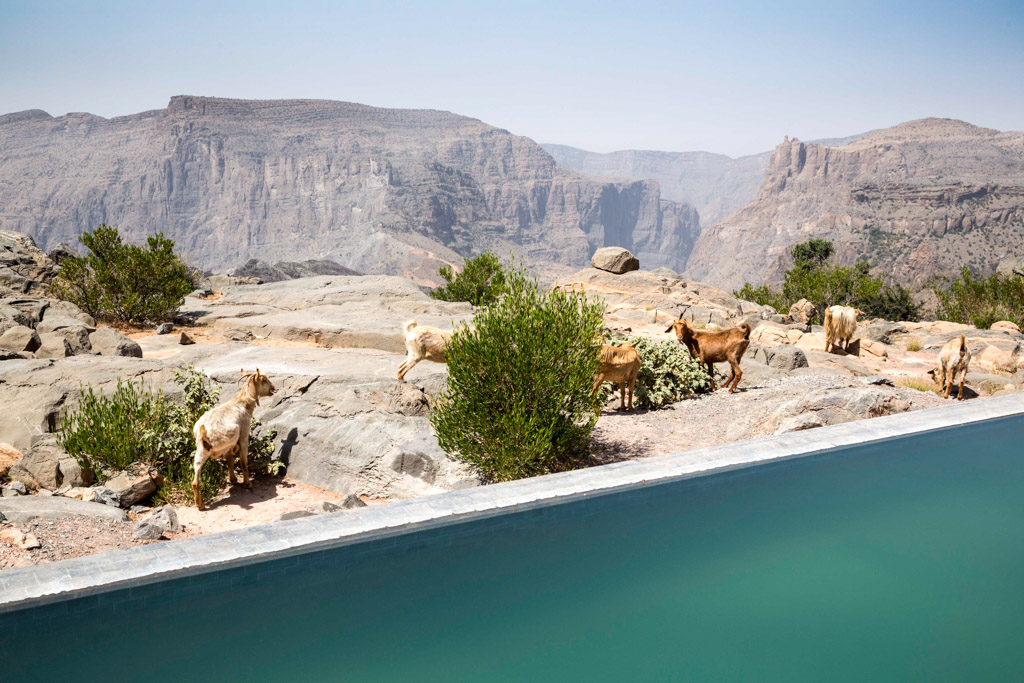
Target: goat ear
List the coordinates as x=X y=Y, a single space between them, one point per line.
x=670 y=328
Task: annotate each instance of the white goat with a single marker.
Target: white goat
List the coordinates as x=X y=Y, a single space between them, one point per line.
x=840 y=325
x=422 y=343
x=954 y=357
x=223 y=431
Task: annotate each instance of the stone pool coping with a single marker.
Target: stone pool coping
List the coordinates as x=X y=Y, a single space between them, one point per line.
x=132 y=567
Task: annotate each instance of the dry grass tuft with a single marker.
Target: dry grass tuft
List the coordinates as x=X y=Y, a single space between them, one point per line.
x=918 y=384
x=913 y=345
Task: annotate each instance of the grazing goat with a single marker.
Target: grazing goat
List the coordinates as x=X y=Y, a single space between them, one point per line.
x=710 y=347
x=840 y=325
x=422 y=343
x=621 y=365
x=954 y=357
x=223 y=431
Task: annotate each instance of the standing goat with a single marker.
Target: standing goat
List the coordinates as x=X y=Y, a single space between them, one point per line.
x=223 y=431
x=710 y=347
x=422 y=343
x=954 y=357
x=621 y=365
x=840 y=325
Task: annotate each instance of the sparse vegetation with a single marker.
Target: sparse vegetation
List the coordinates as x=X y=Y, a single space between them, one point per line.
x=518 y=401
x=480 y=282
x=667 y=373
x=981 y=301
x=824 y=284
x=125 y=283
x=913 y=345
x=108 y=432
x=918 y=384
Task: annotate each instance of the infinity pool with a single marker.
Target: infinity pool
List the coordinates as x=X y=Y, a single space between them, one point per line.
x=898 y=560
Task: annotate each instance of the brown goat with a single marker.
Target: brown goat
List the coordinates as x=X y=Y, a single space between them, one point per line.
x=719 y=346
x=621 y=365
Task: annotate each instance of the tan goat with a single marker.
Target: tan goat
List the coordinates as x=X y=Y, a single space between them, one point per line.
x=224 y=431
x=621 y=365
x=840 y=325
x=422 y=343
x=954 y=357
x=715 y=346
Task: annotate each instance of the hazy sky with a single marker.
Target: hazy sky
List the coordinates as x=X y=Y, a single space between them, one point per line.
x=723 y=77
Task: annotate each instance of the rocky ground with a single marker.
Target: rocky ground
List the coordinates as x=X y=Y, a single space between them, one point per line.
x=350 y=433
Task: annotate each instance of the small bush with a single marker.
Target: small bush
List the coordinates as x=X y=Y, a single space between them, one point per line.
x=481 y=281
x=981 y=301
x=125 y=283
x=831 y=285
x=518 y=401
x=667 y=373
x=106 y=433
x=913 y=345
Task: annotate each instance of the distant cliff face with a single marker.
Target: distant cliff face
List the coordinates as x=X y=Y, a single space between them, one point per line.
x=377 y=190
x=919 y=199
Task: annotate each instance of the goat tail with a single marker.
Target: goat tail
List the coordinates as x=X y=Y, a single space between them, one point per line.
x=409 y=324
x=204 y=438
x=963 y=344
x=746 y=330
x=828 y=315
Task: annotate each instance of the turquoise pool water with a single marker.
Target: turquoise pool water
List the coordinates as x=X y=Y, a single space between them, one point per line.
x=893 y=561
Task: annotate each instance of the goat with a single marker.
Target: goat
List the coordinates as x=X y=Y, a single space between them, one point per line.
x=621 y=365
x=223 y=431
x=954 y=357
x=719 y=346
x=840 y=325
x=422 y=343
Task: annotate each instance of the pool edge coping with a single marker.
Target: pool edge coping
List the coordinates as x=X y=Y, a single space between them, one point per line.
x=39 y=585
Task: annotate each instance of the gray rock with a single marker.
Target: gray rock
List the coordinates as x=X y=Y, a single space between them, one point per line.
x=133 y=484
x=878 y=380
x=614 y=260
x=107 y=341
x=66 y=309
x=18 y=488
x=980 y=379
x=101 y=494
x=40 y=468
x=53 y=345
x=73 y=474
x=835 y=406
x=161 y=520
x=20 y=339
x=324 y=507
x=185 y=340
x=3 y=517
x=165 y=328
x=62 y=252
x=881 y=332
x=295 y=514
x=781 y=357
x=24 y=268
x=803 y=311
x=1018 y=377
x=24 y=509
x=352 y=501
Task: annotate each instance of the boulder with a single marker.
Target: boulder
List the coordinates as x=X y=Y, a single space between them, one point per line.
x=101 y=494
x=881 y=331
x=1006 y=326
x=40 y=468
x=133 y=484
x=107 y=341
x=873 y=347
x=1018 y=377
x=185 y=340
x=53 y=345
x=24 y=509
x=803 y=311
x=614 y=260
x=352 y=501
x=62 y=252
x=73 y=475
x=999 y=358
x=782 y=357
x=1010 y=265
x=15 y=488
x=835 y=406
x=66 y=309
x=20 y=339
x=165 y=328
x=24 y=268
x=9 y=456
x=161 y=520
x=770 y=333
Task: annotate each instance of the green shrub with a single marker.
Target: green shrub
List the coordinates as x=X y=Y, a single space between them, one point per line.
x=833 y=285
x=122 y=282
x=667 y=373
x=106 y=433
x=481 y=281
x=981 y=301
x=518 y=401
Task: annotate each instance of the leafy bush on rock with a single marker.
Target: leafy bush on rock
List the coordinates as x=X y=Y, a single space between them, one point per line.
x=518 y=401
x=480 y=282
x=122 y=282
x=981 y=301
x=668 y=373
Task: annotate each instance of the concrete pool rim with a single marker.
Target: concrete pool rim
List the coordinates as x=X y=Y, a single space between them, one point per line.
x=90 y=575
